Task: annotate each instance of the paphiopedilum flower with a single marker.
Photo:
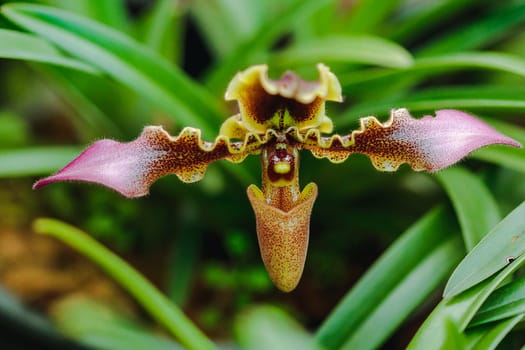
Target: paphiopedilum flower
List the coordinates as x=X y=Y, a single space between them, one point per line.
x=276 y=120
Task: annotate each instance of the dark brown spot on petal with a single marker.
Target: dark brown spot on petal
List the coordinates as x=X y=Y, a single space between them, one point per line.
x=301 y=112
x=188 y=156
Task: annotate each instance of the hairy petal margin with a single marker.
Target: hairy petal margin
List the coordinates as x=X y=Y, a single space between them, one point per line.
x=430 y=143
x=130 y=168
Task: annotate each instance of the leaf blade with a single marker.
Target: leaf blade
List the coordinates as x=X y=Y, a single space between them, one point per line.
x=475 y=206
x=255 y=47
x=348 y=49
x=507 y=301
x=269 y=327
x=482 y=98
x=35 y=160
x=489 y=337
x=125 y=60
x=491 y=254
x=406 y=296
x=512 y=158
x=20 y=46
x=478 y=33
x=146 y=294
x=425 y=67
x=386 y=274
x=459 y=310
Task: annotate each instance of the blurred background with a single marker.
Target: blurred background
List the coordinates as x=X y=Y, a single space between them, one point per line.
x=197 y=242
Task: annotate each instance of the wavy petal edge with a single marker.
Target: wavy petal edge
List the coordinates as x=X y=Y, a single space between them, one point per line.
x=430 y=143
x=130 y=168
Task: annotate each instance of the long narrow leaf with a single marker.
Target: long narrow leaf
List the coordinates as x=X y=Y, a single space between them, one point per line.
x=475 y=206
x=89 y=119
x=496 y=250
x=100 y=327
x=459 y=310
x=425 y=18
x=512 y=158
x=162 y=29
x=236 y=20
x=146 y=294
x=507 y=301
x=251 y=49
x=406 y=296
x=368 y=14
x=467 y=97
x=387 y=274
x=348 y=49
x=124 y=59
x=437 y=65
x=18 y=319
x=112 y=13
x=268 y=327
x=21 y=46
x=489 y=336
x=479 y=33
x=35 y=161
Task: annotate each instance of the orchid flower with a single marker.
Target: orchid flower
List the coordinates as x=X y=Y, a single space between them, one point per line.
x=276 y=120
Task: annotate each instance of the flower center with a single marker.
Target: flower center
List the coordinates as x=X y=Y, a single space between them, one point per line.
x=281 y=165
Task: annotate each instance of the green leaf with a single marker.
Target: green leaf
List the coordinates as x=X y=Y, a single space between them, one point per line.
x=475 y=206
x=483 y=98
x=510 y=157
x=89 y=120
x=437 y=65
x=112 y=13
x=347 y=49
x=423 y=17
x=486 y=60
x=455 y=338
x=507 y=301
x=14 y=131
x=184 y=253
x=478 y=33
x=488 y=337
x=125 y=60
x=237 y=20
x=154 y=302
x=21 y=46
x=368 y=14
x=100 y=327
x=255 y=47
x=433 y=334
x=407 y=296
x=18 y=319
x=268 y=327
x=429 y=243
x=162 y=29
x=504 y=242
x=35 y=161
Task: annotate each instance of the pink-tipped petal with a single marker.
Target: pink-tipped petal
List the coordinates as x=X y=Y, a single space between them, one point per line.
x=430 y=143
x=130 y=168
x=123 y=167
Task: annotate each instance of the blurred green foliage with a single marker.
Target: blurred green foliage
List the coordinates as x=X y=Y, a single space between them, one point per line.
x=98 y=68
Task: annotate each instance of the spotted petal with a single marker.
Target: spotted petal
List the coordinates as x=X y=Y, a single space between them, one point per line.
x=130 y=168
x=429 y=143
x=288 y=101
